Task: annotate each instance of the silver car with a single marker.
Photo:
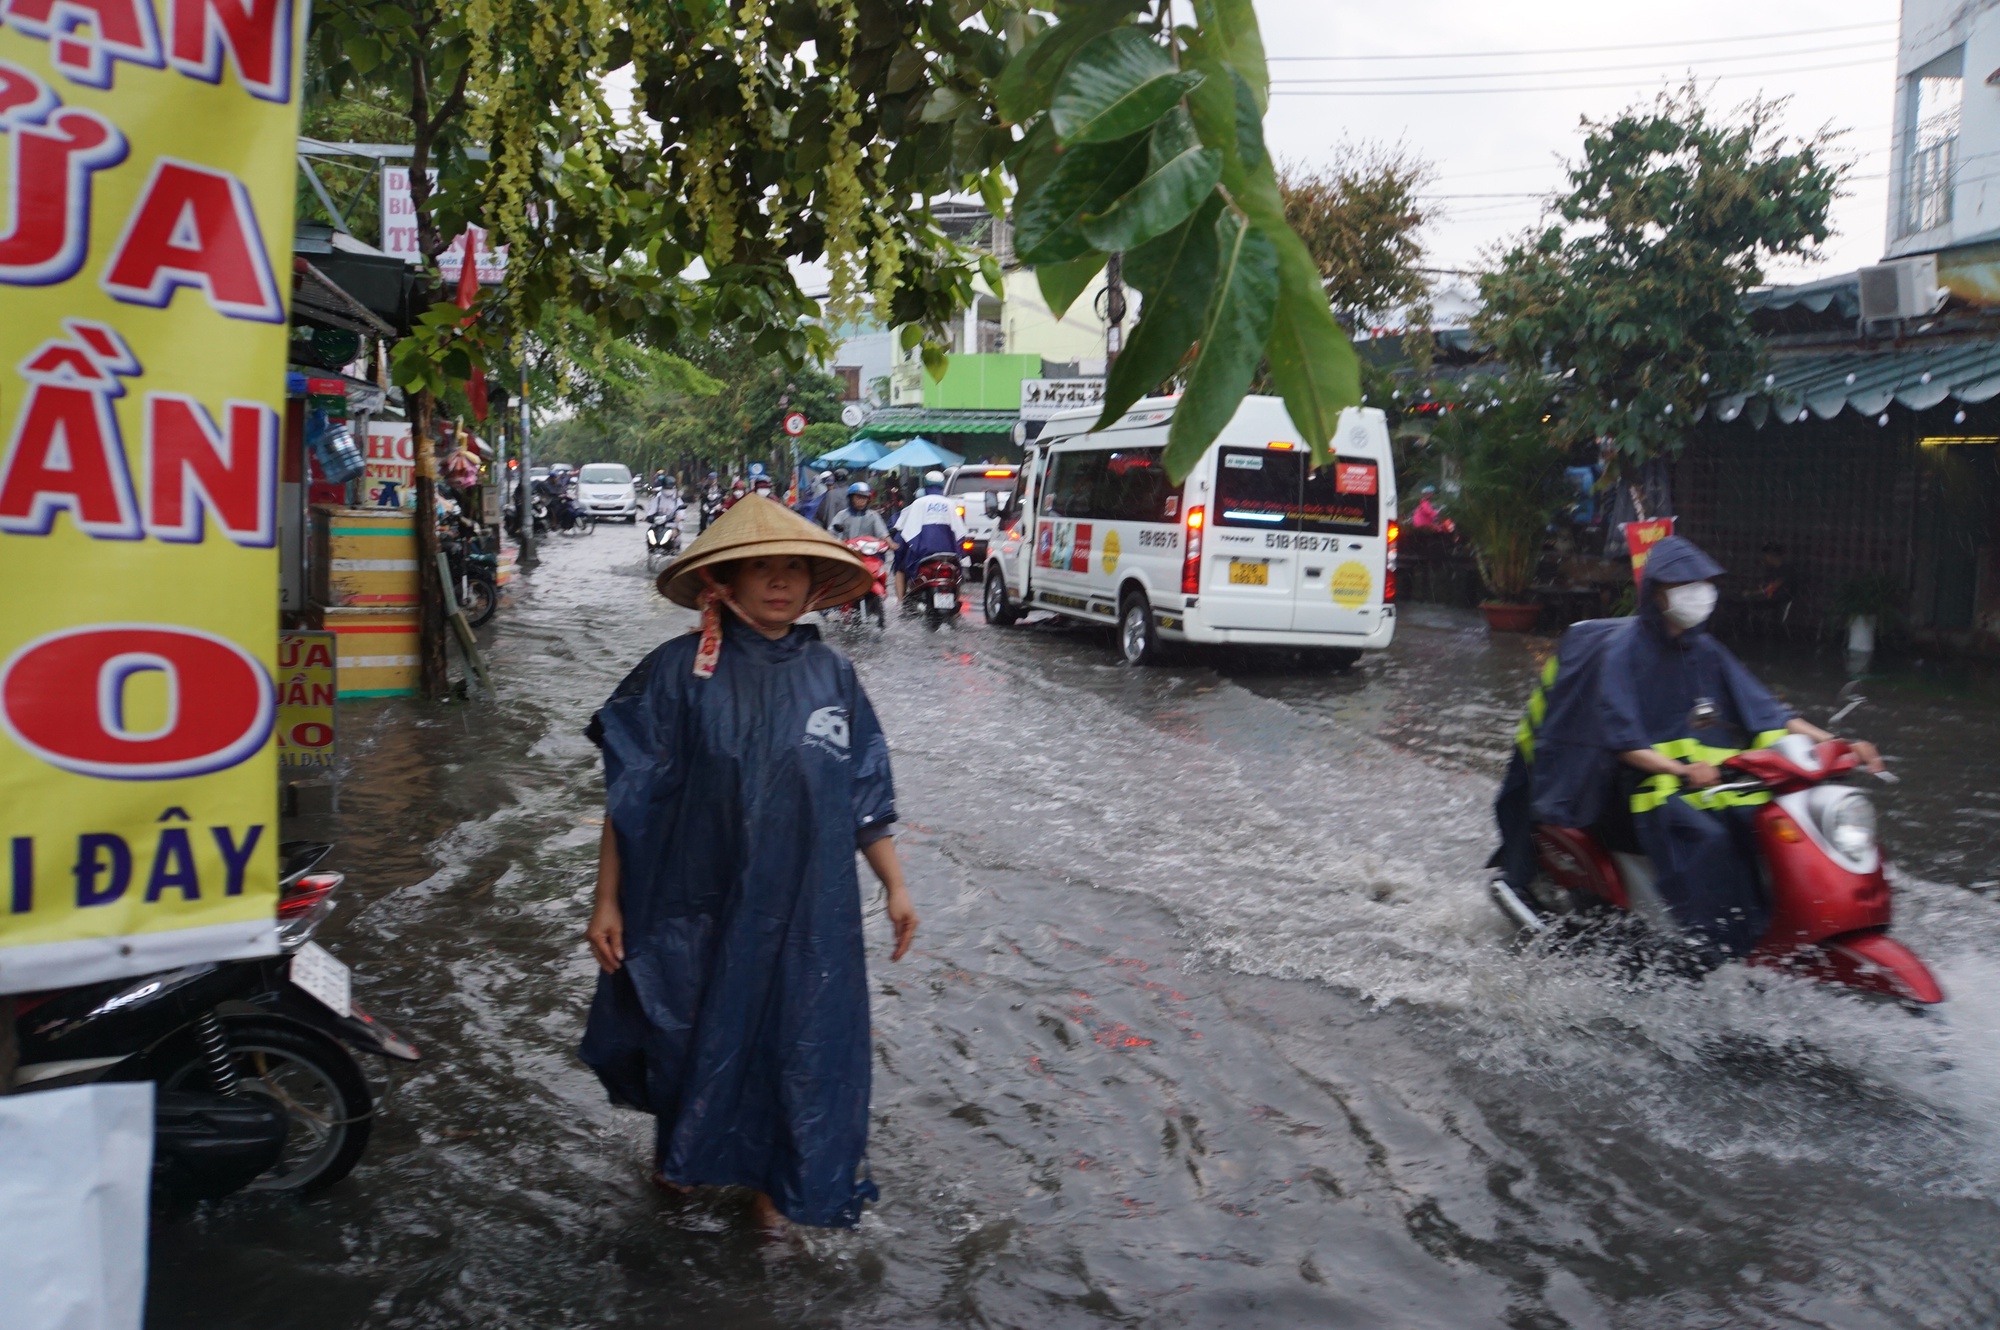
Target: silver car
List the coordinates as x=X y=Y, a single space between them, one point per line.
x=605 y=489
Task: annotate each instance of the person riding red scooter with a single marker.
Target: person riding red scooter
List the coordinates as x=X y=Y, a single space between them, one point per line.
x=862 y=530
x=1654 y=773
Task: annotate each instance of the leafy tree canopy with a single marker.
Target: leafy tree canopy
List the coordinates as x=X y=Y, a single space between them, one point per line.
x=772 y=130
x=1634 y=293
x=1362 y=224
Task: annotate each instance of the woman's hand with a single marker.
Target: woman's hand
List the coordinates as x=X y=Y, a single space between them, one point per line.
x=904 y=916
x=881 y=856
x=606 y=936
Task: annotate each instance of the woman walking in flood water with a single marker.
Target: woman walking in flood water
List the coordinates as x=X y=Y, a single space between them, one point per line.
x=743 y=768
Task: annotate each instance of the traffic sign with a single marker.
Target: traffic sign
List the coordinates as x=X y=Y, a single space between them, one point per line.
x=795 y=424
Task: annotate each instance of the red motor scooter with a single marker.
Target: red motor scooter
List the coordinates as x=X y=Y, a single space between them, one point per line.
x=873 y=551
x=934 y=587
x=1817 y=853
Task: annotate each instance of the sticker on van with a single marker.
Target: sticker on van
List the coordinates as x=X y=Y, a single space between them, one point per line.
x=1351 y=585
x=1110 y=556
x=1354 y=478
x=1244 y=461
x=1079 y=559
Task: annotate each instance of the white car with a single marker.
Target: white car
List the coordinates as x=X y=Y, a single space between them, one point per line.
x=984 y=494
x=605 y=489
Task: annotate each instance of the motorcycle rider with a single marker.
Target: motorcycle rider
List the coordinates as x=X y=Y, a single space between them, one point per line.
x=930 y=525
x=857 y=518
x=1625 y=734
x=711 y=500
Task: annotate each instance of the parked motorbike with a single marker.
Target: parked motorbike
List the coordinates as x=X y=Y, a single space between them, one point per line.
x=868 y=609
x=474 y=572
x=663 y=536
x=1816 y=845
x=258 y=1088
x=934 y=587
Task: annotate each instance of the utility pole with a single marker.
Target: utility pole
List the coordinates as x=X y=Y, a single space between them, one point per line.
x=1114 y=309
x=527 y=485
x=433 y=680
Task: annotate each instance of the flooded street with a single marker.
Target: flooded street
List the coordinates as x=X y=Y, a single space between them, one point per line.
x=1209 y=1023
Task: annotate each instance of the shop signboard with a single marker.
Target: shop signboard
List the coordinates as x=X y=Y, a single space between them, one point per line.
x=1640 y=537
x=392 y=460
x=307 y=689
x=147 y=156
x=1042 y=399
x=399 y=234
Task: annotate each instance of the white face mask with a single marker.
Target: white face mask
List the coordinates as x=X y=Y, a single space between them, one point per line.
x=1689 y=605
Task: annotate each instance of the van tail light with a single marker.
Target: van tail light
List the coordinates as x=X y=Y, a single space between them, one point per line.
x=1389 y=577
x=1191 y=562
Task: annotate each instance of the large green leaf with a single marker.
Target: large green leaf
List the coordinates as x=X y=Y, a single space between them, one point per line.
x=1241 y=308
x=1062 y=283
x=1176 y=271
x=1087 y=179
x=1240 y=44
x=1157 y=204
x=1312 y=362
x=1118 y=84
x=1029 y=80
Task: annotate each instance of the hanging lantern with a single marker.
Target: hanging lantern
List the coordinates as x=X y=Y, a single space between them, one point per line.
x=1882 y=419
x=1958 y=419
x=1850 y=379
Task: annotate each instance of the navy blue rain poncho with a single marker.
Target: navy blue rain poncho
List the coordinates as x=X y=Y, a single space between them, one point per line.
x=740 y=1016
x=1616 y=685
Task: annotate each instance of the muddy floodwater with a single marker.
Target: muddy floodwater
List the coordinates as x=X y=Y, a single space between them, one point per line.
x=1208 y=1024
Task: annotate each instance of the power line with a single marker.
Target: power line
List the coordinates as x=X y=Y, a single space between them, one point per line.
x=1600 y=69
x=1592 y=50
x=1569 y=87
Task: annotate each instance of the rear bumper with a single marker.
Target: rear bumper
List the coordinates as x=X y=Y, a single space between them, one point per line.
x=1191 y=628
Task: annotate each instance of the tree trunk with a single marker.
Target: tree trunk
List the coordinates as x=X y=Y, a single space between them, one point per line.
x=432 y=677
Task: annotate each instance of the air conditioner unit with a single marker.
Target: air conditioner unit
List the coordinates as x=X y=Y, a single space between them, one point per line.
x=1904 y=289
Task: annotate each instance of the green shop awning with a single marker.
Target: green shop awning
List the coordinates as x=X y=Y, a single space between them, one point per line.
x=906 y=422
x=1824 y=383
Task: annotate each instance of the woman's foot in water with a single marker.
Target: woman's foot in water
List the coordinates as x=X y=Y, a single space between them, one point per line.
x=770 y=1221
x=660 y=1180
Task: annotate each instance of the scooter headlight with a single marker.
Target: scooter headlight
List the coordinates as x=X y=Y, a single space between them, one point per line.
x=1848 y=822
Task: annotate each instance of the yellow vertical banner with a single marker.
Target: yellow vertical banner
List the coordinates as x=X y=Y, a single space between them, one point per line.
x=147 y=152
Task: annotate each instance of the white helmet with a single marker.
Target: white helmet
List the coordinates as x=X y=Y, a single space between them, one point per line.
x=933 y=477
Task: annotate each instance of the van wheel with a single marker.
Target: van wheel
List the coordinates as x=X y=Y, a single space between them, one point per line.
x=998 y=611
x=1138 y=639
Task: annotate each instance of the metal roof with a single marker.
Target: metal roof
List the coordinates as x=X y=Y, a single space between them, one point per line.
x=1824 y=383
x=1843 y=291
x=904 y=422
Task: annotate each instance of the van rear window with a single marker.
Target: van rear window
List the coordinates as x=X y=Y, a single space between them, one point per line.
x=1342 y=499
x=1274 y=490
x=1256 y=488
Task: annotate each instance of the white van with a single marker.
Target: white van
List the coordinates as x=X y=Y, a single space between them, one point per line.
x=1258 y=547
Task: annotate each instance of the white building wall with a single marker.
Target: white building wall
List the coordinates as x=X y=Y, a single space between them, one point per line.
x=1939 y=36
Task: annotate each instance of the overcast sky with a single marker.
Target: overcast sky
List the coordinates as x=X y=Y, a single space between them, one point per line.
x=1491 y=93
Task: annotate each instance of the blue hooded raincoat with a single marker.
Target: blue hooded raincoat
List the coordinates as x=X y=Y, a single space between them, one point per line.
x=1615 y=685
x=740 y=1017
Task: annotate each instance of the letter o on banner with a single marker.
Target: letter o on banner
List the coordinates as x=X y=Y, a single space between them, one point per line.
x=62 y=699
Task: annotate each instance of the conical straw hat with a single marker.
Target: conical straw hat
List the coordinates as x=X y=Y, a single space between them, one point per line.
x=755 y=528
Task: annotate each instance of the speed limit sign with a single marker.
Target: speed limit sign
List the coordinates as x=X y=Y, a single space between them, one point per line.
x=795 y=424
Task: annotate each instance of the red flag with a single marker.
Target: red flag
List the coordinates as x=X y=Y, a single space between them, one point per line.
x=468 y=291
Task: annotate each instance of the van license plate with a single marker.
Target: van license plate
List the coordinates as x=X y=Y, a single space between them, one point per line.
x=1249 y=574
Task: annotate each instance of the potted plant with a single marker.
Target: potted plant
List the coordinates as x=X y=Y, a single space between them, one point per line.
x=1501 y=436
